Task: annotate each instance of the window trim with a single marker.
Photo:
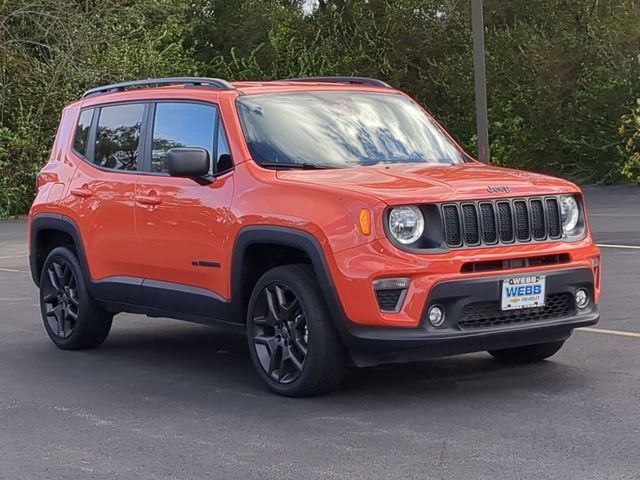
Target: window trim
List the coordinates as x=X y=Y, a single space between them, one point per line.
x=91 y=147
x=146 y=135
x=151 y=124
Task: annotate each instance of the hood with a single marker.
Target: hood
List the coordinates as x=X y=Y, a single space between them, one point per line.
x=418 y=183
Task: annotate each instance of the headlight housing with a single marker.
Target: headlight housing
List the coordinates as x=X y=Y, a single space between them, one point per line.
x=406 y=224
x=570 y=212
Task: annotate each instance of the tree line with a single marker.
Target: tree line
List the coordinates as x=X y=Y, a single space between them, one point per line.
x=563 y=76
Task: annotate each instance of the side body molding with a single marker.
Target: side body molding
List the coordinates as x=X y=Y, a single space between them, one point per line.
x=165 y=299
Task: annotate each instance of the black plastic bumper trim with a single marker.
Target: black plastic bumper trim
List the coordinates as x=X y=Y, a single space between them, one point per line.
x=374 y=345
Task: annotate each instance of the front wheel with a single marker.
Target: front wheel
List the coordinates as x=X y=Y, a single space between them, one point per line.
x=292 y=341
x=528 y=353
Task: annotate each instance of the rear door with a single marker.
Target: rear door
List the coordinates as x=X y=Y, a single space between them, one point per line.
x=180 y=223
x=108 y=140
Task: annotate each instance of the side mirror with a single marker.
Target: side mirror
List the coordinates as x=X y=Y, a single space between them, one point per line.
x=189 y=162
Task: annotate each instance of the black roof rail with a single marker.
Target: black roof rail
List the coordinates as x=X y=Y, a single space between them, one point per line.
x=353 y=80
x=120 y=87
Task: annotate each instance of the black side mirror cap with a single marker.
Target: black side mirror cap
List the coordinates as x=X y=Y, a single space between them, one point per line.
x=190 y=163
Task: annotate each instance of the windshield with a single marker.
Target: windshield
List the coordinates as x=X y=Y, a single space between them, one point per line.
x=342 y=129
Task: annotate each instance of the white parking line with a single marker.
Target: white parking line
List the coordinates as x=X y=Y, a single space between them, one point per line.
x=614 y=215
x=608 y=331
x=607 y=245
x=13 y=256
x=10 y=270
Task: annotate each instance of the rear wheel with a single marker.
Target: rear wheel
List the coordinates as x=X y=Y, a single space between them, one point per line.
x=528 y=353
x=292 y=341
x=72 y=319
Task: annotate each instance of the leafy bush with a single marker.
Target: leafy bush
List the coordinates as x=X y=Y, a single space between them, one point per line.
x=630 y=132
x=22 y=152
x=560 y=73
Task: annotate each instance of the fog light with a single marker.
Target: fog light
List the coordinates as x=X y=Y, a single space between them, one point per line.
x=582 y=298
x=436 y=316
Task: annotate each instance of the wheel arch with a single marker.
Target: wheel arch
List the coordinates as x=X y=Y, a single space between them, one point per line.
x=290 y=238
x=49 y=231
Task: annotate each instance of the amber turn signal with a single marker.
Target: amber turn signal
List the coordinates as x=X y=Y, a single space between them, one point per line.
x=365 y=221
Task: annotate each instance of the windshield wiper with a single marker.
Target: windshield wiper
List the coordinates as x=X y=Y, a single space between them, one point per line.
x=301 y=166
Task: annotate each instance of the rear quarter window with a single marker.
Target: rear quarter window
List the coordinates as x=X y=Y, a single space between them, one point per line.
x=81 y=139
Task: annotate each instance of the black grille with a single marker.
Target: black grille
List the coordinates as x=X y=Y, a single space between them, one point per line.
x=522 y=220
x=489 y=314
x=506 y=221
x=538 y=227
x=553 y=218
x=451 y=217
x=489 y=228
x=470 y=222
x=388 y=299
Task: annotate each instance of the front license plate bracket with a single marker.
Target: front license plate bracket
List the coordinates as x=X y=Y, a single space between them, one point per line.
x=523 y=292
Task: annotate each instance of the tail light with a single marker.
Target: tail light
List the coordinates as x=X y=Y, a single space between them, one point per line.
x=40 y=181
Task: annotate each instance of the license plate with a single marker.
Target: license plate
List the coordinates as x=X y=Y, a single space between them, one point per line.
x=523 y=292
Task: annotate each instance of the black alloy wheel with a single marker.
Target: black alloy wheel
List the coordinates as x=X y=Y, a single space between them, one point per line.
x=60 y=298
x=280 y=334
x=293 y=343
x=72 y=318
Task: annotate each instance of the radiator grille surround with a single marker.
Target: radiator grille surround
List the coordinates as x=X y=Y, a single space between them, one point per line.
x=502 y=221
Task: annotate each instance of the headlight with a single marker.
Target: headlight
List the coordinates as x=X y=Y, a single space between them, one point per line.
x=570 y=213
x=406 y=224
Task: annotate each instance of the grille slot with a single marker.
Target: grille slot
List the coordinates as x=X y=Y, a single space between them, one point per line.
x=489 y=227
x=538 y=227
x=505 y=222
x=489 y=314
x=451 y=217
x=519 y=220
x=470 y=223
x=522 y=220
x=553 y=218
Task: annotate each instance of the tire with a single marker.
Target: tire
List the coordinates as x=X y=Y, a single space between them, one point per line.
x=528 y=353
x=72 y=319
x=292 y=341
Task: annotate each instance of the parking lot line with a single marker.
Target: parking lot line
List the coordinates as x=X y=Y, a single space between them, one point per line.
x=13 y=256
x=608 y=331
x=10 y=270
x=608 y=245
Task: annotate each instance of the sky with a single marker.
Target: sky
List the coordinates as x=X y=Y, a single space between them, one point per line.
x=309 y=5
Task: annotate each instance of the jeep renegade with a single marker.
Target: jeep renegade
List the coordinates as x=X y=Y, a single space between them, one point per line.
x=332 y=220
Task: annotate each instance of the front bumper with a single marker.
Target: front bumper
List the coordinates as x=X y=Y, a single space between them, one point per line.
x=374 y=345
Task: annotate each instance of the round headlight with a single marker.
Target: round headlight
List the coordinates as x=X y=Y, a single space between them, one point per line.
x=406 y=224
x=570 y=213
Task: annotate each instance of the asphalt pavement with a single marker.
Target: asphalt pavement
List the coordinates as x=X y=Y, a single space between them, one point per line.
x=164 y=399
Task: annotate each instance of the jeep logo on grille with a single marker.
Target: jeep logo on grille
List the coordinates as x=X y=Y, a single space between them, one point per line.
x=498 y=189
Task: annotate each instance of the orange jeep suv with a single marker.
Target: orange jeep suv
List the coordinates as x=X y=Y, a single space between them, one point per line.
x=331 y=220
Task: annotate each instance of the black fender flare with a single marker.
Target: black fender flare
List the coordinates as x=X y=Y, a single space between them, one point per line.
x=288 y=237
x=47 y=221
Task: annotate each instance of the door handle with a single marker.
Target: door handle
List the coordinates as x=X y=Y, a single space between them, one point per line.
x=81 y=192
x=148 y=199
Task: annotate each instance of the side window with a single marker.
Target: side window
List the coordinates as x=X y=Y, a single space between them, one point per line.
x=81 y=139
x=181 y=125
x=223 y=162
x=118 y=136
